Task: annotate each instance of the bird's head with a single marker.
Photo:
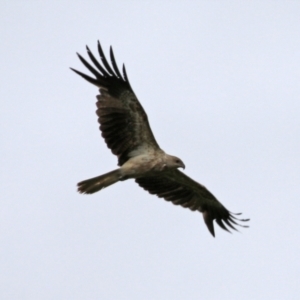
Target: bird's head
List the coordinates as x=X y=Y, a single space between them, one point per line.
x=174 y=162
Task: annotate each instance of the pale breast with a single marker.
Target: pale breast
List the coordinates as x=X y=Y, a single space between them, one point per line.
x=143 y=164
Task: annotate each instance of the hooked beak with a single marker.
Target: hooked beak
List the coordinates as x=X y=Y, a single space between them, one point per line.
x=182 y=166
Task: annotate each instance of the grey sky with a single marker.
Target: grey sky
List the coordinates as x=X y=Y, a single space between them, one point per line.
x=220 y=83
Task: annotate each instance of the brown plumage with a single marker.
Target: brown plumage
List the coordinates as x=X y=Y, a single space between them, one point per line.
x=126 y=131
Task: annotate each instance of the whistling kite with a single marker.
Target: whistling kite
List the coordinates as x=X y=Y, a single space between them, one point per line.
x=126 y=131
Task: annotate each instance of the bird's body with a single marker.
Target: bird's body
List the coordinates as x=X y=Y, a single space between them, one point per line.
x=125 y=128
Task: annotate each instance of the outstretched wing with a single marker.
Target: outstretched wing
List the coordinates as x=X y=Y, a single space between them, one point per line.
x=123 y=121
x=180 y=189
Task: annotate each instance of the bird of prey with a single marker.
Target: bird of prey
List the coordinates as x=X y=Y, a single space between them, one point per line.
x=125 y=128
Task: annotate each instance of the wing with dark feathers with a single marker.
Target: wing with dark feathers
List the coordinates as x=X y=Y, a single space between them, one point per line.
x=180 y=189
x=123 y=121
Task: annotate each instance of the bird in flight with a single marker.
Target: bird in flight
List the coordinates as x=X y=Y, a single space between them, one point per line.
x=125 y=128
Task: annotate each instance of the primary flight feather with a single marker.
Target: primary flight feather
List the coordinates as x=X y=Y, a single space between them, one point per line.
x=125 y=128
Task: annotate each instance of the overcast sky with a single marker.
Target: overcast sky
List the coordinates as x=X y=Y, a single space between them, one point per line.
x=220 y=81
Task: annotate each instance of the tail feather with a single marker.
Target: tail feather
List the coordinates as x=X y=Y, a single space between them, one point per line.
x=96 y=184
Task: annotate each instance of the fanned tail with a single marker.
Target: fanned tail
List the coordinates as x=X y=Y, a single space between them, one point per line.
x=98 y=183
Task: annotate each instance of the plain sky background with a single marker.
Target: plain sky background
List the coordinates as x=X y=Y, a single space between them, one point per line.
x=220 y=81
